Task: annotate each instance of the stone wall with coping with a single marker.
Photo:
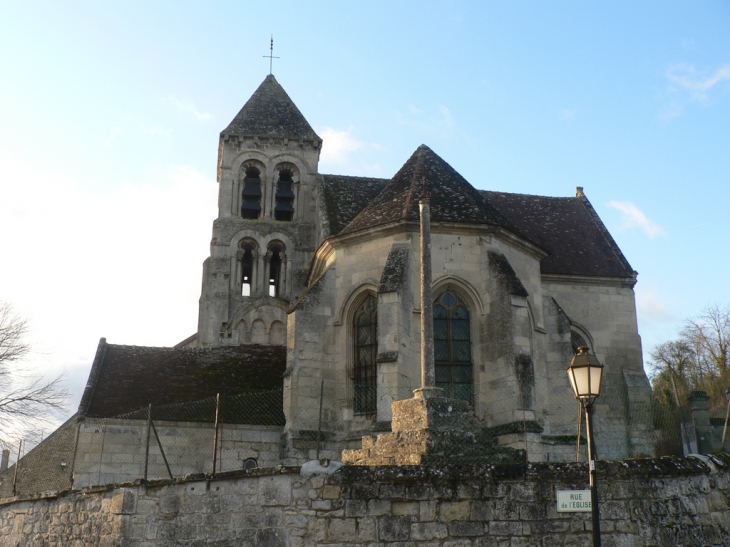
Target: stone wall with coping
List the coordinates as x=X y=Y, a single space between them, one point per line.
x=652 y=503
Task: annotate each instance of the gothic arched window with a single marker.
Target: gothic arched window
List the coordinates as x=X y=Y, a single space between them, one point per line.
x=251 y=206
x=452 y=346
x=365 y=326
x=284 y=208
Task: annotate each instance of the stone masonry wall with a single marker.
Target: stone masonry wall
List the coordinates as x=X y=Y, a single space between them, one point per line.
x=681 y=502
x=113 y=451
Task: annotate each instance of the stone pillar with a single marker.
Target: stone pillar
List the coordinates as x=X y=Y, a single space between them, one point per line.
x=699 y=407
x=255 y=271
x=5 y=459
x=267 y=272
x=428 y=372
x=283 y=273
x=234 y=280
x=261 y=278
x=298 y=207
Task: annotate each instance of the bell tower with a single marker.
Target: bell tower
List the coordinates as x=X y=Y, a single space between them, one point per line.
x=264 y=234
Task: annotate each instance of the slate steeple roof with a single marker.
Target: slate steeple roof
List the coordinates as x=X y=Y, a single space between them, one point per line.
x=271 y=113
x=453 y=199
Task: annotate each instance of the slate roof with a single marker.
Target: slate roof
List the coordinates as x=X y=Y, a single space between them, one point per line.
x=569 y=229
x=453 y=199
x=345 y=197
x=128 y=378
x=271 y=113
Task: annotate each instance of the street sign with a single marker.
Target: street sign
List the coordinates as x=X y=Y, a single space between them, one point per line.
x=574 y=501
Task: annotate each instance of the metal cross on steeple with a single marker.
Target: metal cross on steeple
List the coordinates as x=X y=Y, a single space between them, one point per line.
x=271 y=56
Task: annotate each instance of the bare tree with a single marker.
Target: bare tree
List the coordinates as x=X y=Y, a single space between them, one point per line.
x=27 y=401
x=699 y=359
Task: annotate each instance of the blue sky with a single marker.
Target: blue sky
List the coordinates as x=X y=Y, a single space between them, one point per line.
x=110 y=114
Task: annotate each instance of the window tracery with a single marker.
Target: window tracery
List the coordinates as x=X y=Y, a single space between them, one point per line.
x=364 y=328
x=452 y=346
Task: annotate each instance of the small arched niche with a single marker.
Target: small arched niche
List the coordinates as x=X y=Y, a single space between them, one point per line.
x=258 y=332
x=277 y=334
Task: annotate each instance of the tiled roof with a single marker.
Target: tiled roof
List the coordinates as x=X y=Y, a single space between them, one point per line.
x=127 y=378
x=345 y=197
x=271 y=113
x=453 y=199
x=569 y=229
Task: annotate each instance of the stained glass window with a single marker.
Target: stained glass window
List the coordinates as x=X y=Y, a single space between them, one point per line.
x=365 y=326
x=452 y=346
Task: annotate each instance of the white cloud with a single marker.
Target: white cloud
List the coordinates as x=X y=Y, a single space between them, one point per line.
x=339 y=145
x=633 y=217
x=446 y=118
x=113 y=134
x=687 y=84
x=84 y=261
x=652 y=305
x=442 y=122
x=568 y=113
x=187 y=106
x=688 y=77
x=156 y=130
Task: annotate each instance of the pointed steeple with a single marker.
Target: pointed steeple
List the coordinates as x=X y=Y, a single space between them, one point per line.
x=271 y=113
x=426 y=174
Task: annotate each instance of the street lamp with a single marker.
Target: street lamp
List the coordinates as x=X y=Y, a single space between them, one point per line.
x=727 y=415
x=585 y=373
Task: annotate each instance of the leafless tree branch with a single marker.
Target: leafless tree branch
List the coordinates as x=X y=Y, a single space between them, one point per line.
x=27 y=401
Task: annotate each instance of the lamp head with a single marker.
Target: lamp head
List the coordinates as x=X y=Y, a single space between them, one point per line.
x=585 y=374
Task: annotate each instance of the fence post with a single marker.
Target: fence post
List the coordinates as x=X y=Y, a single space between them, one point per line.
x=147 y=446
x=215 y=434
x=164 y=458
x=17 y=465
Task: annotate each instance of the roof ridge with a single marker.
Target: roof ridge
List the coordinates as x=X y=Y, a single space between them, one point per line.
x=418 y=171
x=352 y=176
x=426 y=174
x=526 y=195
x=593 y=215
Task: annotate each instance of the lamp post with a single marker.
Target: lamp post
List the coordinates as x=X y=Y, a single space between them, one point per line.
x=727 y=415
x=585 y=373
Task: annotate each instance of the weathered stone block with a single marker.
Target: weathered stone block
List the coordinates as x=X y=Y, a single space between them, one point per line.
x=275 y=490
x=466 y=528
x=394 y=528
x=428 y=530
x=341 y=529
x=450 y=511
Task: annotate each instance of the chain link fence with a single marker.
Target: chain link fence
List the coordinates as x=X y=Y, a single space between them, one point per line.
x=229 y=433
x=212 y=435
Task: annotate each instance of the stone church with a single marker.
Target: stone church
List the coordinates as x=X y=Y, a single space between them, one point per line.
x=328 y=266
x=312 y=286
